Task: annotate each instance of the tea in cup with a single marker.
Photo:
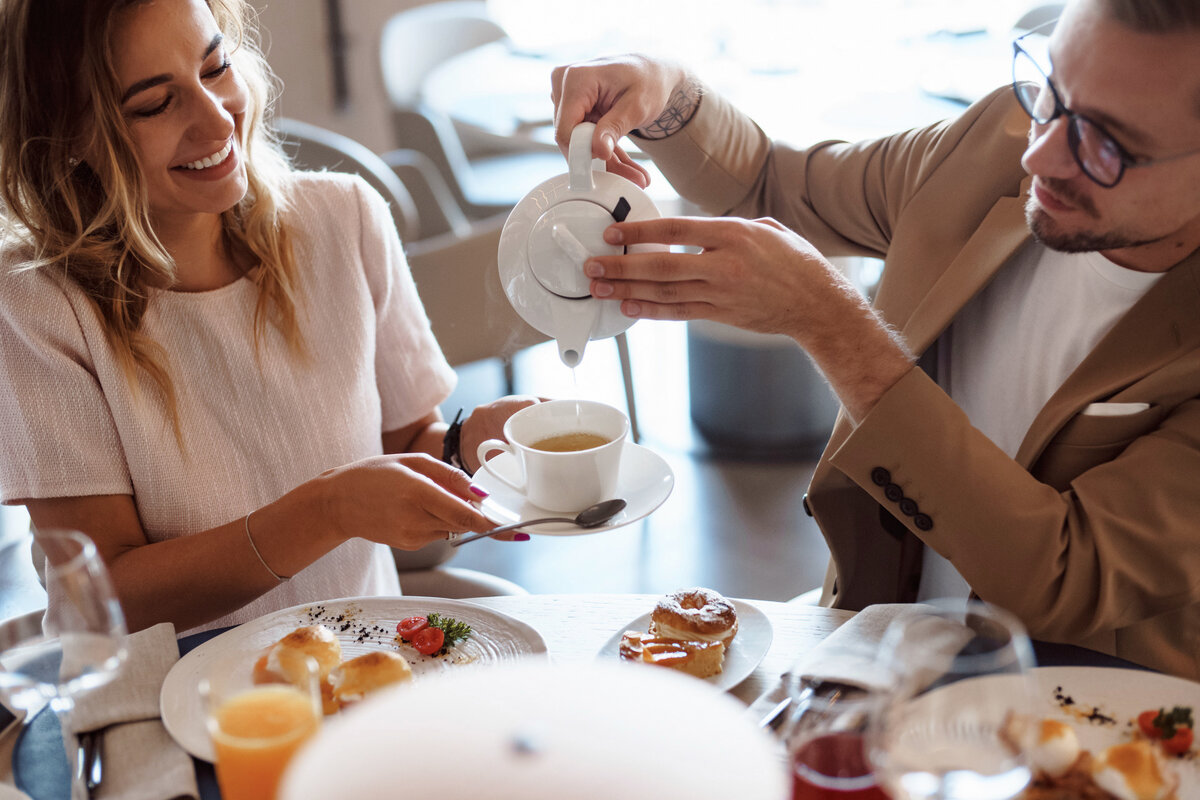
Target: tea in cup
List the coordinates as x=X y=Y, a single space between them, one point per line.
x=567 y=453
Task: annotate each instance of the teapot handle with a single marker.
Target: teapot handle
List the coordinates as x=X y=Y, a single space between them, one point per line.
x=579 y=158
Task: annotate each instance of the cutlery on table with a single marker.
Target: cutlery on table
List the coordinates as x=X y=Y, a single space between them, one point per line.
x=591 y=517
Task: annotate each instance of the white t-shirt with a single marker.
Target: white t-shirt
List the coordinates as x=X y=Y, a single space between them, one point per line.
x=1015 y=343
x=255 y=423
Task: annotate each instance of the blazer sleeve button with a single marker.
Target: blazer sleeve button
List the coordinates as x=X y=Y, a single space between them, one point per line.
x=923 y=522
x=908 y=506
x=880 y=476
x=893 y=492
x=807 y=507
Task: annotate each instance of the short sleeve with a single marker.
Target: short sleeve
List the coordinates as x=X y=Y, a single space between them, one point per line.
x=57 y=434
x=412 y=374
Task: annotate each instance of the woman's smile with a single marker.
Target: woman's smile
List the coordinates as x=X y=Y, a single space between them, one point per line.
x=212 y=167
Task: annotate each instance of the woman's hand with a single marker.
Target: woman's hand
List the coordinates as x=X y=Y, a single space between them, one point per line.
x=619 y=94
x=487 y=422
x=405 y=501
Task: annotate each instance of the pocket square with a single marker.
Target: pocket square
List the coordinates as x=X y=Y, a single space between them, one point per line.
x=1114 y=409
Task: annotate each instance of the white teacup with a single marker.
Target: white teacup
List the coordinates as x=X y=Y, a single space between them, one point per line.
x=565 y=478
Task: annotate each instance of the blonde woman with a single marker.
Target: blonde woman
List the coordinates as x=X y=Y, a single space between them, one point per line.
x=216 y=367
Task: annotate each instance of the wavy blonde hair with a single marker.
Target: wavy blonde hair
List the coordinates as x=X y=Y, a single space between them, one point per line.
x=59 y=97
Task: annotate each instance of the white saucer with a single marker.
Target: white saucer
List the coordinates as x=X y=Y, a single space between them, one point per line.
x=645 y=483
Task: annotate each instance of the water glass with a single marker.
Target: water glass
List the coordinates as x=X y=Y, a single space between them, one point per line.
x=81 y=642
x=963 y=671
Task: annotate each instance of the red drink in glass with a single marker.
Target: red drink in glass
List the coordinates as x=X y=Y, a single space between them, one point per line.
x=833 y=767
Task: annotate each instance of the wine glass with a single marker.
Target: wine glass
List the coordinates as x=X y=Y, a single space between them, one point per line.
x=80 y=643
x=963 y=671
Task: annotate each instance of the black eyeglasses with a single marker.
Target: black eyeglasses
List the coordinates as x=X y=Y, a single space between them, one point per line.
x=1099 y=155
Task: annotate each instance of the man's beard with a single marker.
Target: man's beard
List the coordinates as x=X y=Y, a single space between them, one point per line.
x=1048 y=232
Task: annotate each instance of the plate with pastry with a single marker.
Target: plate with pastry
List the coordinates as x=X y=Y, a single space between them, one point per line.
x=1103 y=732
x=360 y=645
x=697 y=631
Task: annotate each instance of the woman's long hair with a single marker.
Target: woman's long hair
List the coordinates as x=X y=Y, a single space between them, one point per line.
x=89 y=219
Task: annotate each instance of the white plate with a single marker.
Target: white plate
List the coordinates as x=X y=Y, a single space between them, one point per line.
x=1102 y=704
x=645 y=483
x=744 y=653
x=1119 y=695
x=495 y=638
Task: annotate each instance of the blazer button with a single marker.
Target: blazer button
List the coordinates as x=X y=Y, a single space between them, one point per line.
x=893 y=492
x=804 y=502
x=923 y=522
x=880 y=476
x=908 y=506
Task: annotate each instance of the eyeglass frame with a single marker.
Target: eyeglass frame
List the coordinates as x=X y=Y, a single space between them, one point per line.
x=1126 y=160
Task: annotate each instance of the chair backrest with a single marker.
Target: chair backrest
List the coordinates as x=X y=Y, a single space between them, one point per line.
x=418 y=39
x=315 y=148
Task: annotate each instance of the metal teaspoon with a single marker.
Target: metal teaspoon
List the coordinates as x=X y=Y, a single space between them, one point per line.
x=591 y=517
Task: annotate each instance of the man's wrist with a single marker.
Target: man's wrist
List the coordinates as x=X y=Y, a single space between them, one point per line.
x=680 y=109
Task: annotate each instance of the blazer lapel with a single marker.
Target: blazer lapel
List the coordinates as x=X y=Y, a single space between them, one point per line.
x=994 y=241
x=1159 y=328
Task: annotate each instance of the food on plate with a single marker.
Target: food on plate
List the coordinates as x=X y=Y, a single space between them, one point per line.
x=432 y=634
x=284 y=661
x=690 y=631
x=1052 y=744
x=702 y=659
x=358 y=677
x=695 y=615
x=1135 y=770
x=1173 y=729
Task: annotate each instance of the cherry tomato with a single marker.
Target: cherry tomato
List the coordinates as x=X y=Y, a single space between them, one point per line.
x=411 y=626
x=1145 y=721
x=1180 y=743
x=429 y=640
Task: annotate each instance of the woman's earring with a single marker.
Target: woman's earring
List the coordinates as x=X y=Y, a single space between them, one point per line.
x=72 y=162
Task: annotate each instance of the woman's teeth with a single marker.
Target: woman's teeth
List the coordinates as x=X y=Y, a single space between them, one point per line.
x=214 y=159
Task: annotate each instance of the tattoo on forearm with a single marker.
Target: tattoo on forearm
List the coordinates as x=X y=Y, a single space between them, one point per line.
x=679 y=112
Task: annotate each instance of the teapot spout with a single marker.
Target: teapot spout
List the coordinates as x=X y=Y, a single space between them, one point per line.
x=571 y=356
x=574 y=324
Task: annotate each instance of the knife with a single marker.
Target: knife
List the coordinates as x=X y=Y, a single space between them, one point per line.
x=90 y=765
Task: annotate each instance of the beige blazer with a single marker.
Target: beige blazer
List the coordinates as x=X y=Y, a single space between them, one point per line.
x=1091 y=535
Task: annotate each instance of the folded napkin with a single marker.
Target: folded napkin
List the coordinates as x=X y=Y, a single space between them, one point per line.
x=845 y=656
x=141 y=761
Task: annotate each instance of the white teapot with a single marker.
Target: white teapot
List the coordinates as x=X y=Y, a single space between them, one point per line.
x=551 y=232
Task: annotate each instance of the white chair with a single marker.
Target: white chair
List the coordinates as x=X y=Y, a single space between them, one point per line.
x=417 y=40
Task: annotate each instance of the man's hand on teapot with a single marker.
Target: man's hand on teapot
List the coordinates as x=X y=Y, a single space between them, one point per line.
x=487 y=422
x=620 y=94
x=753 y=274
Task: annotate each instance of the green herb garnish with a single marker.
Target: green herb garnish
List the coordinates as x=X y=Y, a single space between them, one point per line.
x=1167 y=721
x=454 y=630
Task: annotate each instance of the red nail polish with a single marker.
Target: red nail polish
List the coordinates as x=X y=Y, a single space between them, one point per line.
x=478 y=492
x=520 y=537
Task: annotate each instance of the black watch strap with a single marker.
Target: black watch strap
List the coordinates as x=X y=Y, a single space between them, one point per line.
x=452 y=444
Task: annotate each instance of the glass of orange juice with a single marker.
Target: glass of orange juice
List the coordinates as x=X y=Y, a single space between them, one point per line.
x=256 y=729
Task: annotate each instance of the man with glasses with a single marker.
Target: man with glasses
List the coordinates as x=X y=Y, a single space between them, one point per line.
x=1021 y=403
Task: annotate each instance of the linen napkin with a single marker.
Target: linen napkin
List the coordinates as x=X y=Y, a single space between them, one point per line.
x=141 y=761
x=845 y=656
